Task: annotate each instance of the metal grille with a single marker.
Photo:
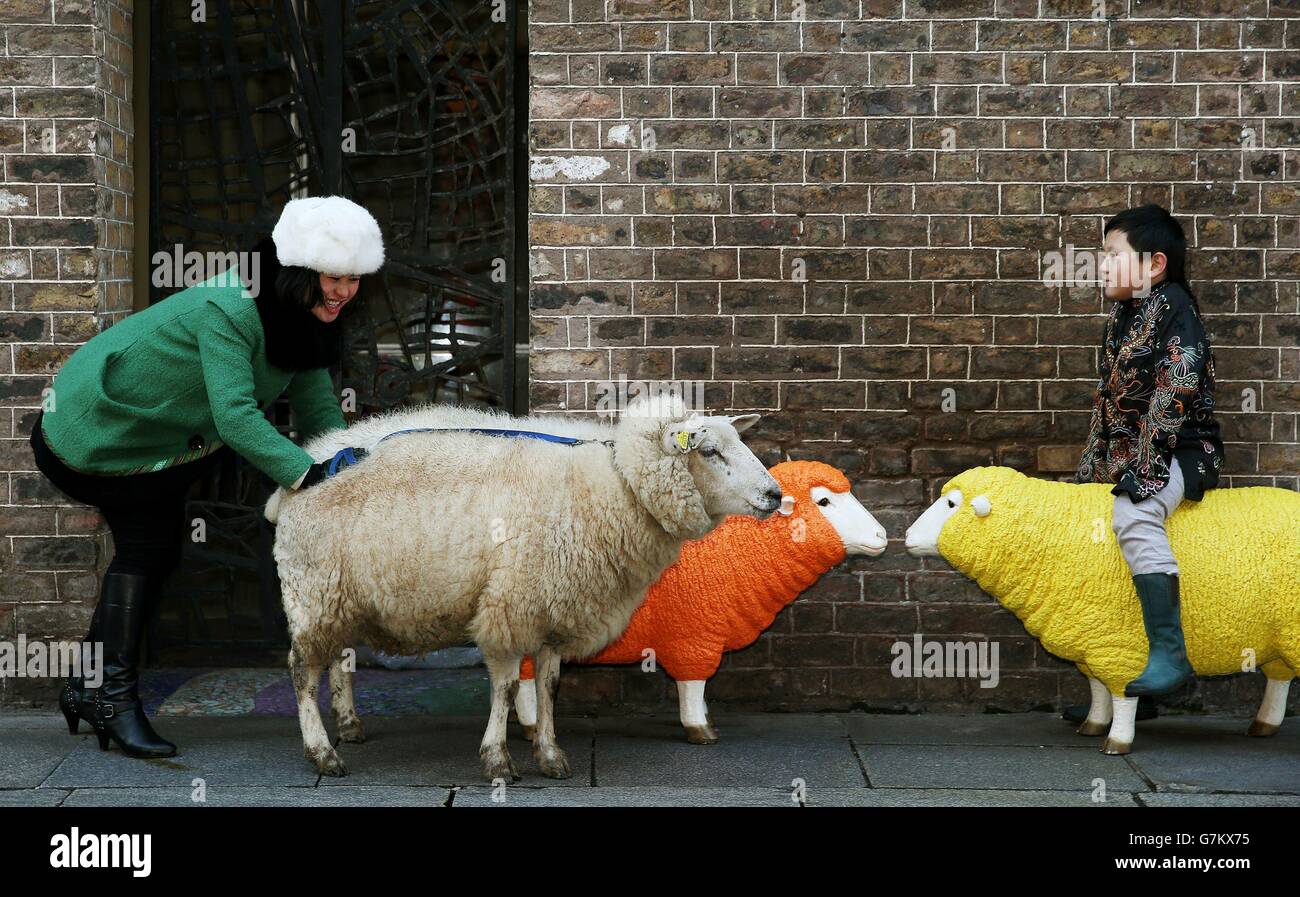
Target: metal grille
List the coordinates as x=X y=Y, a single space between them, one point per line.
x=408 y=108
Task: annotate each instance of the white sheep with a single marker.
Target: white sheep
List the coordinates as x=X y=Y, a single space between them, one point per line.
x=518 y=545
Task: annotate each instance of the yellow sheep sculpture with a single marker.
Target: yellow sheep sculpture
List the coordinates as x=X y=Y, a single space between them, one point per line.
x=1046 y=552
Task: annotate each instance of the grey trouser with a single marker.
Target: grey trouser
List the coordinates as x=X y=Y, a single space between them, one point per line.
x=1140 y=527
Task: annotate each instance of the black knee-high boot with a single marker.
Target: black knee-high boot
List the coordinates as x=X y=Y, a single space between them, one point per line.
x=72 y=699
x=115 y=710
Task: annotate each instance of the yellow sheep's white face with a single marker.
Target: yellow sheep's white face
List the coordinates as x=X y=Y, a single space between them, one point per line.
x=860 y=532
x=922 y=539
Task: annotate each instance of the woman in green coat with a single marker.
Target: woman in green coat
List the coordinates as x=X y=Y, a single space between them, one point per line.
x=146 y=408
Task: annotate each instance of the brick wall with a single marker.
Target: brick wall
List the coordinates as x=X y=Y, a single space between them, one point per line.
x=917 y=160
x=65 y=236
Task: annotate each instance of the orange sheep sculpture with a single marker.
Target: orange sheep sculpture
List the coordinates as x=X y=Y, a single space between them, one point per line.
x=728 y=587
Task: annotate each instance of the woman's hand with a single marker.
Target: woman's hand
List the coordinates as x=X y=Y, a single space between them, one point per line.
x=323 y=470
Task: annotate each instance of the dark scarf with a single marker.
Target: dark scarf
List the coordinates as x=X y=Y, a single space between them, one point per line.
x=296 y=340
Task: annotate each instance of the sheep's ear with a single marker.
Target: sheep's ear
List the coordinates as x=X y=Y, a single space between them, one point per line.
x=743 y=422
x=682 y=438
x=787 y=506
x=981 y=505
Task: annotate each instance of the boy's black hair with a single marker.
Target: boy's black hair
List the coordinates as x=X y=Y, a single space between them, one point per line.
x=1151 y=228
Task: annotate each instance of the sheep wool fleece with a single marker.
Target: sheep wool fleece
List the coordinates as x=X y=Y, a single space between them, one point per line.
x=1045 y=551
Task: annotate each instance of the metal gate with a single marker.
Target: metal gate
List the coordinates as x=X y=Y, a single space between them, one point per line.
x=407 y=107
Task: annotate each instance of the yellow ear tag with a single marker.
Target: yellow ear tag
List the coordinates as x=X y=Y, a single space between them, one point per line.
x=683 y=440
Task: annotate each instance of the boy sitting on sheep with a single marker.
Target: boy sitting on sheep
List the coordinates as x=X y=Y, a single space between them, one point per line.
x=1153 y=433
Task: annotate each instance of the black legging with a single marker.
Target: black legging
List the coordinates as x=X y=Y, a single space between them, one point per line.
x=144 y=511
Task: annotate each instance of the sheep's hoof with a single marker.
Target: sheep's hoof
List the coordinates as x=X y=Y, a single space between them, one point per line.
x=498 y=764
x=327 y=762
x=701 y=734
x=1087 y=727
x=352 y=731
x=1261 y=729
x=529 y=732
x=554 y=764
x=1116 y=748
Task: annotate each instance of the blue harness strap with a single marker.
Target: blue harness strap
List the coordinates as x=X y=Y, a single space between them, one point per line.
x=492 y=431
x=346 y=457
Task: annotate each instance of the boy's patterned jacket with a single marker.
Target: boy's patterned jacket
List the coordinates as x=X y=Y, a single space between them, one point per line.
x=1155 y=399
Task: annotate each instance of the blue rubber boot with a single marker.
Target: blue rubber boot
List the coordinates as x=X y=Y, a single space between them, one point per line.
x=1167 y=665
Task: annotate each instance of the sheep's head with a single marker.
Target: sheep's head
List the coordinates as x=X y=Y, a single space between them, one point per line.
x=965 y=503
x=690 y=470
x=823 y=498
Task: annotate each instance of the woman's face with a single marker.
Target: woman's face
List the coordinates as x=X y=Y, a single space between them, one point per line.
x=337 y=291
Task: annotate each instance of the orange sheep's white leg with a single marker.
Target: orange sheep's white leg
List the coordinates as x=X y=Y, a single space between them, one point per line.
x=344 y=705
x=1099 y=711
x=694 y=712
x=526 y=707
x=1272 y=709
x=551 y=760
x=1122 y=726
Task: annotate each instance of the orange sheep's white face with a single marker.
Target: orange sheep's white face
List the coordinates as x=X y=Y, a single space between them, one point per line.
x=860 y=532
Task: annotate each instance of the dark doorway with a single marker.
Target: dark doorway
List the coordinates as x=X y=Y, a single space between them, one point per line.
x=409 y=108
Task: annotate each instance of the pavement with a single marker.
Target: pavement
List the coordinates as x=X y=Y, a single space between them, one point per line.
x=763 y=759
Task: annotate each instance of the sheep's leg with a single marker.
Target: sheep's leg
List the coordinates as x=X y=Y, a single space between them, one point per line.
x=694 y=712
x=1099 y=711
x=551 y=759
x=316 y=745
x=1123 y=723
x=1272 y=709
x=344 y=705
x=497 y=763
x=526 y=707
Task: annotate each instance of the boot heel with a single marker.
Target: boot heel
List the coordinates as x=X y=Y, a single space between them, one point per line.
x=103 y=740
x=74 y=721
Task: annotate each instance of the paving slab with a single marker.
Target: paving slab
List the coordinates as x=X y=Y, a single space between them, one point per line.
x=30 y=752
x=33 y=797
x=1205 y=754
x=962 y=797
x=474 y=796
x=516 y=796
x=768 y=750
x=1025 y=729
x=996 y=766
x=1170 y=799
x=239 y=796
x=421 y=750
x=223 y=751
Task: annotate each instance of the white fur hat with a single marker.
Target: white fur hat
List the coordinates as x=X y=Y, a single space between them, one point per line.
x=329 y=234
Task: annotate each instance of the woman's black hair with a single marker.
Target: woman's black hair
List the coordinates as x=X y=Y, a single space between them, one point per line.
x=299 y=286
x=1151 y=228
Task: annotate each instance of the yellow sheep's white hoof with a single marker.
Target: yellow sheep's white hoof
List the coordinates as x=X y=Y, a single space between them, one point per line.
x=1116 y=748
x=1123 y=717
x=1260 y=729
x=1088 y=727
x=1272 y=710
x=1100 y=710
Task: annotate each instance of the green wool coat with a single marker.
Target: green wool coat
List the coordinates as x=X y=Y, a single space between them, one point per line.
x=177 y=380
